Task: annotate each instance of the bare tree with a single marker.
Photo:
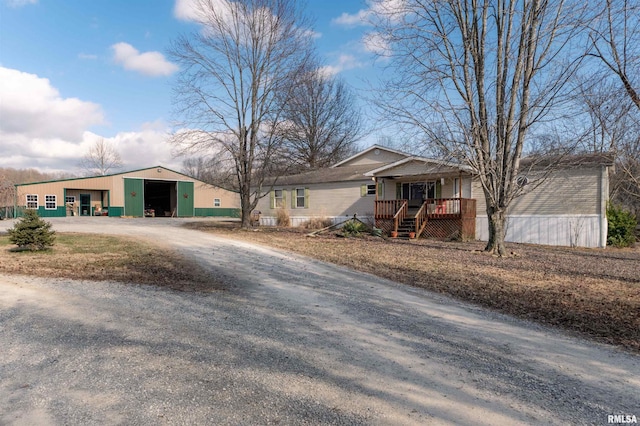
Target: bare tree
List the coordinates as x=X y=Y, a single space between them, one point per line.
x=474 y=77
x=213 y=170
x=322 y=122
x=615 y=39
x=101 y=159
x=234 y=72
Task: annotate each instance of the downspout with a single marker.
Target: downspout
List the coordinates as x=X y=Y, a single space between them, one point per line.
x=604 y=200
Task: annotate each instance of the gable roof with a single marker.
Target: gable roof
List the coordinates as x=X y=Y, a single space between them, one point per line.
x=438 y=164
x=368 y=150
x=111 y=175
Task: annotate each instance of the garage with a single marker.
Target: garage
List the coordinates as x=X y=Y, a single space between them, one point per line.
x=132 y=194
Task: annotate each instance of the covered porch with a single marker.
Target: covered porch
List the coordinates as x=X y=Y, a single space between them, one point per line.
x=425 y=199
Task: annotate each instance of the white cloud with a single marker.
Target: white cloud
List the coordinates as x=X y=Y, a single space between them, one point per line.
x=191 y=10
x=31 y=106
x=41 y=129
x=352 y=20
x=390 y=9
x=376 y=43
x=148 y=63
x=20 y=3
x=345 y=62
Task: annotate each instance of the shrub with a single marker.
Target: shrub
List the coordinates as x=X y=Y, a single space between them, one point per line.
x=31 y=232
x=622 y=227
x=318 y=223
x=353 y=228
x=282 y=217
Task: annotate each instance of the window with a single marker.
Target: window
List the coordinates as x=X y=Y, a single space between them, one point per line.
x=32 y=201
x=216 y=202
x=300 y=198
x=50 y=202
x=368 y=189
x=278 y=198
x=70 y=199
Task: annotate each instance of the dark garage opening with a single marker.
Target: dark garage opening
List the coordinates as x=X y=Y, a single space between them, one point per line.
x=160 y=196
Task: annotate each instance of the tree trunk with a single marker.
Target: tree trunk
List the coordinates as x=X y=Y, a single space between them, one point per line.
x=245 y=207
x=497 y=231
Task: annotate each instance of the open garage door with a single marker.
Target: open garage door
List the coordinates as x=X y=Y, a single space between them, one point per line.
x=160 y=197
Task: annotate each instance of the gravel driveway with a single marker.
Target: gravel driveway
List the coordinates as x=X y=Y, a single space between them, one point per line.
x=292 y=341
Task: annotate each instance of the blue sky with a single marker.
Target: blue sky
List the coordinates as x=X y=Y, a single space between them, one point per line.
x=75 y=71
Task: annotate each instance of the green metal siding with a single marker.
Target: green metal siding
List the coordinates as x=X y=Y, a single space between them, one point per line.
x=185 y=199
x=217 y=212
x=59 y=211
x=133 y=197
x=116 y=211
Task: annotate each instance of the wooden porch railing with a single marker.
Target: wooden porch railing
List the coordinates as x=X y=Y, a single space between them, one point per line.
x=421 y=219
x=443 y=207
x=400 y=215
x=386 y=209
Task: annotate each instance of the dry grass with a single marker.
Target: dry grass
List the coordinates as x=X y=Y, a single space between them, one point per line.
x=593 y=292
x=107 y=258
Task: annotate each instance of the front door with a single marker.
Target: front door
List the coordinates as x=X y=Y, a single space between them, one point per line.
x=85 y=204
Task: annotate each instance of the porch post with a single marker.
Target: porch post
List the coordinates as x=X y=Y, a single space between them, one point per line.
x=375 y=203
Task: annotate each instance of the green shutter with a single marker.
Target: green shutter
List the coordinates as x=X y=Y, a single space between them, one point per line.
x=272 y=199
x=398 y=191
x=380 y=190
x=306 y=198
x=293 y=198
x=363 y=190
x=438 y=189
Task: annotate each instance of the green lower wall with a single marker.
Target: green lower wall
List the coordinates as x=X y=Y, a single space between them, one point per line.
x=116 y=211
x=217 y=212
x=60 y=211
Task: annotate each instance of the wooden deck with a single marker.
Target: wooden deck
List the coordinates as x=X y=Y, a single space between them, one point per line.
x=437 y=217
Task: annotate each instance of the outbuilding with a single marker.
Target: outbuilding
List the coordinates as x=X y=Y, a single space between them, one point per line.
x=151 y=192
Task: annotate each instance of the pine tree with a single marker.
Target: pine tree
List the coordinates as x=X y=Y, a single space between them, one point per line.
x=31 y=232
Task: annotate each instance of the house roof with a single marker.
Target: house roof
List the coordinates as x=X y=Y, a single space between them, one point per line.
x=578 y=160
x=433 y=164
x=371 y=148
x=331 y=174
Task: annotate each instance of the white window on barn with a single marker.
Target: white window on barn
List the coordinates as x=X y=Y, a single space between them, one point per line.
x=50 y=202
x=70 y=199
x=216 y=202
x=32 y=201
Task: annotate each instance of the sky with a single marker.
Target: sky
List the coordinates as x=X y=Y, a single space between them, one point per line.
x=75 y=71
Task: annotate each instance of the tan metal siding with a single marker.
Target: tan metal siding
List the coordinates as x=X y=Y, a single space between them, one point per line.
x=205 y=194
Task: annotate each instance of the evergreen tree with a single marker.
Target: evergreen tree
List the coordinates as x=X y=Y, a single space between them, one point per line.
x=31 y=232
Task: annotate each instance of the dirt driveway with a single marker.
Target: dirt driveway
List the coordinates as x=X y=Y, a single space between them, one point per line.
x=292 y=341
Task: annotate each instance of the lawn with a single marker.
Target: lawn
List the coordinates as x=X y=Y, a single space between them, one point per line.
x=107 y=258
x=593 y=292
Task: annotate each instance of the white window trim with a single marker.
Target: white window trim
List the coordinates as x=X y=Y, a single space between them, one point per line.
x=66 y=199
x=36 y=201
x=298 y=198
x=46 y=202
x=217 y=202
